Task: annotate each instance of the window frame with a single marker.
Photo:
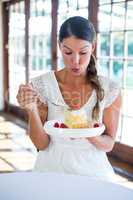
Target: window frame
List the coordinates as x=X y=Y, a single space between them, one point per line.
x=120 y=150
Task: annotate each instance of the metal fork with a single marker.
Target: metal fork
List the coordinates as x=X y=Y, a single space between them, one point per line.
x=55 y=103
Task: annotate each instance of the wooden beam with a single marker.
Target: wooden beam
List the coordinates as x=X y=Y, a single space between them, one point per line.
x=11 y=2
x=123 y=152
x=54 y=34
x=27 y=16
x=5 y=30
x=93 y=16
x=93 y=13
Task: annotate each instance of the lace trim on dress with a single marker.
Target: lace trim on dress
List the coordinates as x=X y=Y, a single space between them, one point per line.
x=41 y=87
x=112 y=93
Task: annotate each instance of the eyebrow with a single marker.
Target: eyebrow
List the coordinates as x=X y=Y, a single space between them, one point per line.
x=80 y=48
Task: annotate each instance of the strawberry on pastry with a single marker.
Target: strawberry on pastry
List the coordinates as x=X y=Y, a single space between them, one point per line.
x=56 y=125
x=62 y=125
x=96 y=125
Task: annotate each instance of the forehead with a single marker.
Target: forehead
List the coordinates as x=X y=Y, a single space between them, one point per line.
x=73 y=42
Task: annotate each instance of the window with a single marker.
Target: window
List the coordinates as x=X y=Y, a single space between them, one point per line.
x=115 y=56
x=39 y=37
x=39 y=30
x=16 y=45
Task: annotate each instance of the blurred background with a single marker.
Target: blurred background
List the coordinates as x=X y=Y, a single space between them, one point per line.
x=29 y=47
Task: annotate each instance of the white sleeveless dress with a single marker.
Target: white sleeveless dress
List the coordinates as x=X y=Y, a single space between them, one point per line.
x=77 y=156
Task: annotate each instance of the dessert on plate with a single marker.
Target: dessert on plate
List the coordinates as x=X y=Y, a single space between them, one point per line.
x=77 y=119
x=74 y=124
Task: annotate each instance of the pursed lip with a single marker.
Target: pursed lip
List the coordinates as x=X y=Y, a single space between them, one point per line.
x=75 y=69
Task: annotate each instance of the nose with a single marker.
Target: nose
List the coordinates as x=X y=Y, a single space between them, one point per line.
x=76 y=59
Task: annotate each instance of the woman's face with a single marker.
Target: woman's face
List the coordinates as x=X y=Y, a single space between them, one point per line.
x=76 y=54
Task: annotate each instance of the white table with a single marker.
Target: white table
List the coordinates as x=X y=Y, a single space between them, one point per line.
x=53 y=186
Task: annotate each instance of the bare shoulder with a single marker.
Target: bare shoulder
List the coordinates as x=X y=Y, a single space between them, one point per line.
x=116 y=104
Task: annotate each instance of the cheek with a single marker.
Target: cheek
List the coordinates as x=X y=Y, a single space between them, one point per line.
x=66 y=58
x=85 y=59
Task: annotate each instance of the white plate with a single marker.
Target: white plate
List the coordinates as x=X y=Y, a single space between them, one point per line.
x=69 y=132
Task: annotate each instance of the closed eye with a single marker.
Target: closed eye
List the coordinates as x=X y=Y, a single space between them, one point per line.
x=83 y=53
x=68 y=53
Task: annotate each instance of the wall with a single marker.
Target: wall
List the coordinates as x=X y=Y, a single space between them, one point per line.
x=1 y=62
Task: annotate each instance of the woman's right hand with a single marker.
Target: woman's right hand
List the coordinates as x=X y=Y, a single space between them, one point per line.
x=27 y=97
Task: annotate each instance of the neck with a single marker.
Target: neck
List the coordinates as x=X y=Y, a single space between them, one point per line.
x=74 y=80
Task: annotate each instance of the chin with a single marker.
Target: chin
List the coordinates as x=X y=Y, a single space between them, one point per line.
x=78 y=73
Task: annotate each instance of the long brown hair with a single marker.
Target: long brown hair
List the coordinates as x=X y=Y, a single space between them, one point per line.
x=92 y=79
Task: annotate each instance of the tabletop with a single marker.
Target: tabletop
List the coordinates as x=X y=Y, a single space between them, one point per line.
x=53 y=186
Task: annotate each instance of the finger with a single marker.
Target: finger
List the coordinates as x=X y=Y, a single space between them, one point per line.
x=21 y=86
x=29 y=93
x=34 y=99
x=24 y=88
x=30 y=85
x=24 y=102
x=26 y=97
x=40 y=98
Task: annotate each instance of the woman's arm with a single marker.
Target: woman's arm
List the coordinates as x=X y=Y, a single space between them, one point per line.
x=111 y=114
x=43 y=111
x=35 y=127
x=29 y=100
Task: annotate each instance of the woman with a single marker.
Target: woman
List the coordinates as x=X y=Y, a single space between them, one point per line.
x=76 y=86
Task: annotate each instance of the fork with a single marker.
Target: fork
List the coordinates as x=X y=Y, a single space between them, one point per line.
x=55 y=103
